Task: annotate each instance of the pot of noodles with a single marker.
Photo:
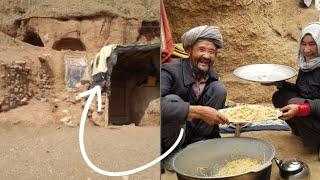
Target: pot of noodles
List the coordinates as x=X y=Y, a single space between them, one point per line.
x=231 y=158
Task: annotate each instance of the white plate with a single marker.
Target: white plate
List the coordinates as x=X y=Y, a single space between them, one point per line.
x=265 y=73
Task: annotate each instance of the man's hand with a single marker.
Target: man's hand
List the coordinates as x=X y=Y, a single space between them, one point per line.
x=207 y=114
x=289 y=111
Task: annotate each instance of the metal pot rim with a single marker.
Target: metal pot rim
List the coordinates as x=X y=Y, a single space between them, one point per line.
x=260 y=168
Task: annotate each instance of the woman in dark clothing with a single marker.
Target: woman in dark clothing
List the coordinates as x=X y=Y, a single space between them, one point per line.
x=300 y=102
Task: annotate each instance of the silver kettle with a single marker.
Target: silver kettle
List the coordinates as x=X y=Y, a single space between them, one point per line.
x=293 y=169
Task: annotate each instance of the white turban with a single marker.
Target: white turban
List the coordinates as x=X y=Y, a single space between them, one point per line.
x=206 y=32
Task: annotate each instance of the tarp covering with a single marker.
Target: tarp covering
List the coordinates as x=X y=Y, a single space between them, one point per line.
x=76 y=70
x=99 y=64
x=129 y=55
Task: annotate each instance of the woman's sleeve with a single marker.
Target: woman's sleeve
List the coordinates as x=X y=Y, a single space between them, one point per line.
x=289 y=86
x=314 y=107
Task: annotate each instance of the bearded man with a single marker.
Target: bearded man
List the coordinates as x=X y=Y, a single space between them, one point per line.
x=191 y=92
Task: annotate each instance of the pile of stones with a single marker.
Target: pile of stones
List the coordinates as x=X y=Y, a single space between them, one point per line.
x=45 y=82
x=15 y=79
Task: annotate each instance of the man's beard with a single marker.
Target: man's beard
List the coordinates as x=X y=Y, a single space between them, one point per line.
x=197 y=72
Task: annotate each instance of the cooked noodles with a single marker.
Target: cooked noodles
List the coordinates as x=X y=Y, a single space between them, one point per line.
x=250 y=112
x=231 y=168
x=236 y=164
x=239 y=166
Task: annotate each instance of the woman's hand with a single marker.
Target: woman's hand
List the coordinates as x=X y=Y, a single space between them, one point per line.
x=278 y=84
x=289 y=111
x=207 y=114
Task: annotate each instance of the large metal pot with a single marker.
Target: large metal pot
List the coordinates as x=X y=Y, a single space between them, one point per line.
x=216 y=152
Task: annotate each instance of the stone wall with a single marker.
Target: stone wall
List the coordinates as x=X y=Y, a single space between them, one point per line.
x=15 y=80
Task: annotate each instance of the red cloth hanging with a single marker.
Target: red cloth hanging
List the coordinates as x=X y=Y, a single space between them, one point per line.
x=167 y=46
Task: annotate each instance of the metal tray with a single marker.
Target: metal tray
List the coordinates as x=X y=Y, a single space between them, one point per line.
x=265 y=73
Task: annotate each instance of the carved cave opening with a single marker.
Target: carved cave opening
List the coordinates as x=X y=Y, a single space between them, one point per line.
x=150 y=29
x=33 y=38
x=72 y=44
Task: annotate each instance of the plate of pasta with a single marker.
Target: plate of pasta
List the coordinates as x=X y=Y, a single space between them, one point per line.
x=247 y=113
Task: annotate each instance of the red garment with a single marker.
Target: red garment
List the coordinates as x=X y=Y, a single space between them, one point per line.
x=167 y=46
x=303 y=109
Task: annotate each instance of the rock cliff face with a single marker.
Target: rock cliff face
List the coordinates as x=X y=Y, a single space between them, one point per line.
x=87 y=33
x=43 y=33
x=254 y=32
x=82 y=25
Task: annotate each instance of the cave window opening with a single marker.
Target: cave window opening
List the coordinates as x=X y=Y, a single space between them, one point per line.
x=150 y=29
x=72 y=44
x=33 y=38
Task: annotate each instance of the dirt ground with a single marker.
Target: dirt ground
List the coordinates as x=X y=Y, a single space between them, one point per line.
x=287 y=146
x=31 y=152
x=35 y=144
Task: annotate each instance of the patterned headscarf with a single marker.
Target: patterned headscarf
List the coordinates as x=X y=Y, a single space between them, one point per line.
x=206 y=32
x=314 y=30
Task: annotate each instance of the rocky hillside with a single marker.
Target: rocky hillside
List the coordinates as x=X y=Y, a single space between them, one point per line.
x=254 y=32
x=37 y=37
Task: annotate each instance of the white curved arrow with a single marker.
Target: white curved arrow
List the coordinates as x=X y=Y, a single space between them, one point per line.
x=91 y=94
x=307 y=2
